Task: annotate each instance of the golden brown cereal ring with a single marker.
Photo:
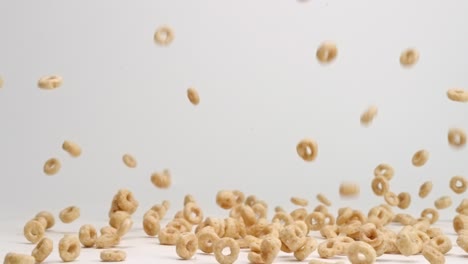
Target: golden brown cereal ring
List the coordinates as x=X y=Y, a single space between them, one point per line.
x=409 y=57
x=269 y=249
x=404 y=219
x=50 y=82
x=164 y=35
x=69 y=248
x=34 y=231
x=434 y=215
x=380 y=185
x=327 y=52
x=124 y=227
x=87 y=235
x=408 y=241
x=349 y=189
x=15 y=258
x=206 y=237
x=425 y=189
x=433 y=255
x=226 y=199
x=462 y=242
x=107 y=240
x=443 y=202
x=283 y=218
x=299 y=201
x=48 y=217
x=323 y=199
x=458 y=184
x=186 y=245
x=420 y=158
x=404 y=199
x=72 y=148
x=391 y=198
x=193 y=213
x=457 y=137
x=162 y=179
x=462 y=208
x=109 y=255
x=299 y=214
x=434 y=231
x=315 y=221
x=307 y=249
x=369 y=115
x=248 y=215
x=293 y=237
x=384 y=170
x=41 y=220
x=442 y=243
x=168 y=236
x=193 y=96
x=460 y=222
x=108 y=230
x=221 y=244
x=458 y=95
x=117 y=218
x=42 y=250
x=321 y=208
x=151 y=225
x=126 y=201
x=52 y=166
x=69 y=214
x=307 y=149
x=129 y=160
x=358 y=248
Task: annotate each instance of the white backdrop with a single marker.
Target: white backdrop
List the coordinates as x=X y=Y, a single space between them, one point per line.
x=261 y=87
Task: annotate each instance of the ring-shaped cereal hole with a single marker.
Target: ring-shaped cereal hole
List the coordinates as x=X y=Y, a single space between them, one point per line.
x=456 y=137
x=425 y=189
x=50 y=82
x=193 y=213
x=384 y=170
x=458 y=95
x=186 y=245
x=42 y=250
x=361 y=253
x=69 y=248
x=379 y=185
x=315 y=221
x=52 y=166
x=34 y=231
x=206 y=238
x=420 y=158
x=327 y=52
x=409 y=57
x=221 y=245
x=164 y=36
x=458 y=184
x=307 y=149
x=431 y=214
x=129 y=160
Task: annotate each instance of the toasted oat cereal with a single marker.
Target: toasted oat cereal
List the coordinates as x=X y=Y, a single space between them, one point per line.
x=49 y=217
x=307 y=149
x=129 y=160
x=358 y=248
x=425 y=189
x=458 y=95
x=52 y=166
x=87 y=235
x=409 y=57
x=349 y=189
x=164 y=36
x=299 y=201
x=193 y=96
x=33 y=231
x=42 y=250
x=72 y=148
x=368 y=116
x=443 y=202
x=327 y=52
x=109 y=255
x=323 y=199
x=457 y=137
x=69 y=214
x=186 y=245
x=458 y=184
x=69 y=248
x=15 y=258
x=420 y=158
x=161 y=179
x=50 y=82
x=384 y=170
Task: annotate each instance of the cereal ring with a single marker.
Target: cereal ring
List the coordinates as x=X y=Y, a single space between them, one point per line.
x=323 y=199
x=108 y=230
x=315 y=221
x=420 y=158
x=48 y=217
x=52 y=166
x=391 y=198
x=432 y=254
x=369 y=115
x=117 y=218
x=404 y=200
x=462 y=242
x=349 y=189
x=72 y=148
x=462 y=208
x=443 y=202
x=161 y=179
x=186 y=245
x=460 y=223
x=124 y=227
x=220 y=245
x=457 y=137
x=125 y=201
x=34 y=231
x=434 y=215
x=226 y=199
x=206 y=238
x=50 y=82
x=299 y=214
x=380 y=185
x=283 y=218
x=321 y=208
x=41 y=220
x=307 y=249
x=42 y=250
x=193 y=213
x=168 y=236
x=107 y=240
x=458 y=95
x=425 y=189
x=129 y=160
x=109 y=255
x=87 y=235
x=15 y=258
x=327 y=52
x=307 y=149
x=299 y=201
x=193 y=96
x=458 y=184
x=151 y=225
x=164 y=35
x=409 y=57
x=293 y=237
x=69 y=248
x=69 y=214
x=269 y=249
x=442 y=243
x=384 y=170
